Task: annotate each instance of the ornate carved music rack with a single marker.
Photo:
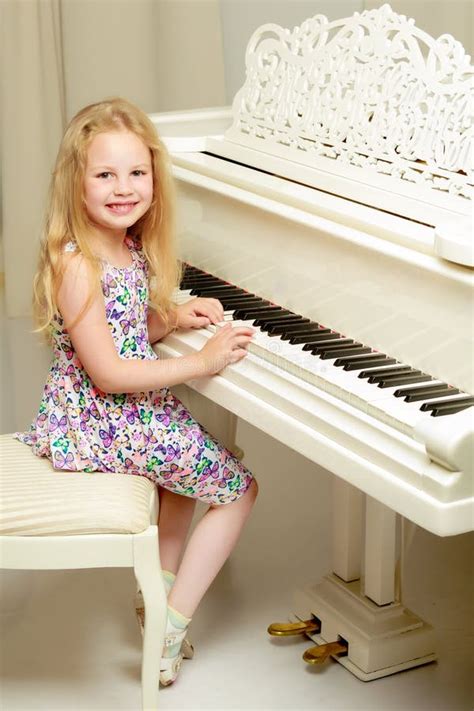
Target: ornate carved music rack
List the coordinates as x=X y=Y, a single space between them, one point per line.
x=369 y=97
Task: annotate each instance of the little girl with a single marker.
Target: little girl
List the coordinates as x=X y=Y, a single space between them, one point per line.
x=107 y=271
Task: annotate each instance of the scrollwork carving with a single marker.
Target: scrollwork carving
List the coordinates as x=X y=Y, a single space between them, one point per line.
x=371 y=90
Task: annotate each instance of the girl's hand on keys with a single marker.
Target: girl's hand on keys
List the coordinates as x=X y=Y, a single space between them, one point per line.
x=228 y=345
x=199 y=312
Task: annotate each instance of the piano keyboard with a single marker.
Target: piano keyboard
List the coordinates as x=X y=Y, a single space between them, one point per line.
x=372 y=381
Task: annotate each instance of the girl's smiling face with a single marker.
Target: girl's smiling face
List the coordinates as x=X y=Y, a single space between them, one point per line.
x=118 y=181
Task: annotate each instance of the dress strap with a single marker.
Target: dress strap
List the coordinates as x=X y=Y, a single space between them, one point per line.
x=135 y=247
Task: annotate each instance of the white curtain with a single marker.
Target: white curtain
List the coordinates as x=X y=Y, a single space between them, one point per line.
x=33 y=116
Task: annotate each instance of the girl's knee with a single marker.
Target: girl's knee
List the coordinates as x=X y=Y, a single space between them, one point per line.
x=252 y=491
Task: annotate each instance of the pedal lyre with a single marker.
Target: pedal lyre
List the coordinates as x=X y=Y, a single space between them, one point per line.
x=288 y=629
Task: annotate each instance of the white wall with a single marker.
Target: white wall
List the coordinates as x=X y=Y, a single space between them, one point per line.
x=162 y=55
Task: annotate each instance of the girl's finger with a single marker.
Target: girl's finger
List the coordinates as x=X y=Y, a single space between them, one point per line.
x=242 y=343
x=215 y=316
x=244 y=331
x=238 y=354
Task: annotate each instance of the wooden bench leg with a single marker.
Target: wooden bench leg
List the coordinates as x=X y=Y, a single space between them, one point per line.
x=149 y=577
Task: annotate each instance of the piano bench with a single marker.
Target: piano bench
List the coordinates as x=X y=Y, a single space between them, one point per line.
x=53 y=519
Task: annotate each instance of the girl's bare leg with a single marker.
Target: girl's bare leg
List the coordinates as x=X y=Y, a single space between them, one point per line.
x=174 y=520
x=209 y=547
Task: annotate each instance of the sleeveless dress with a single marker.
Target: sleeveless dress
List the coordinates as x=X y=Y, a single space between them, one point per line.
x=151 y=434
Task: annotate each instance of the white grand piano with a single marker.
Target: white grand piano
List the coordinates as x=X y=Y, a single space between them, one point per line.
x=332 y=207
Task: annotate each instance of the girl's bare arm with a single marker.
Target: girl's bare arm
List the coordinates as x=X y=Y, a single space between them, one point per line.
x=157 y=328
x=195 y=313
x=96 y=350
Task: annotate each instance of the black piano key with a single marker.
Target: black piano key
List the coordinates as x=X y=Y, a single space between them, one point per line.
x=276 y=327
x=334 y=345
x=189 y=274
x=329 y=355
x=309 y=336
x=374 y=357
x=189 y=282
x=441 y=412
x=332 y=336
x=212 y=286
x=190 y=286
x=276 y=318
x=289 y=318
x=214 y=293
x=279 y=330
x=404 y=380
x=423 y=392
x=218 y=287
x=196 y=288
x=199 y=275
x=367 y=363
x=253 y=314
x=297 y=330
x=306 y=330
x=235 y=298
x=432 y=396
x=385 y=371
x=357 y=359
x=390 y=374
x=305 y=327
x=232 y=306
x=442 y=404
x=189 y=269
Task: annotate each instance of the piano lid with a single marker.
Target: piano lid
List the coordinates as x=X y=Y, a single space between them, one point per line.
x=369 y=108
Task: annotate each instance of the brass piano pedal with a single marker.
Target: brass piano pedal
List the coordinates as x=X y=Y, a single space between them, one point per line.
x=287 y=629
x=320 y=652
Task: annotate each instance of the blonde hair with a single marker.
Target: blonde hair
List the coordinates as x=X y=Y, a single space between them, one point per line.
x=67 y=220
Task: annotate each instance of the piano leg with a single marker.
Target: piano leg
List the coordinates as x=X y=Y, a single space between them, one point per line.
x=380 y=552
x=347 y=530
x=357 y=603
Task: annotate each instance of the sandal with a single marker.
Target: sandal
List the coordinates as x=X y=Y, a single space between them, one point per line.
x=170 y=665
x=187 y=649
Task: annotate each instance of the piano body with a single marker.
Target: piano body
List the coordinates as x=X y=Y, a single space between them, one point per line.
x=339 y=189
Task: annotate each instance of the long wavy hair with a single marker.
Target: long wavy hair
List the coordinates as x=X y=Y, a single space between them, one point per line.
x=67 y=220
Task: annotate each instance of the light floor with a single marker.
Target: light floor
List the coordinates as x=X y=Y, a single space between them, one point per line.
x=69 y=640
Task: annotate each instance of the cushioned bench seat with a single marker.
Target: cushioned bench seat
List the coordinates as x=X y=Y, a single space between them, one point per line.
x=36 y=500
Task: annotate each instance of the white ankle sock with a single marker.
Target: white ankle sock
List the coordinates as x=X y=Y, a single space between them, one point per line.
x=168 y=579
x=176 y=627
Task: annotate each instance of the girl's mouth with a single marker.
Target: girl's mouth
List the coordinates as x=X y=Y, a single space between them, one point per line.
x=121 y=208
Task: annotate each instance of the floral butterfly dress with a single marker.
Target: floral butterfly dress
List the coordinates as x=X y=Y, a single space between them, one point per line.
x=151 y=434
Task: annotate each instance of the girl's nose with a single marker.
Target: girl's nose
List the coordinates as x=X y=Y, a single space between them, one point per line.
x=123 y=187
